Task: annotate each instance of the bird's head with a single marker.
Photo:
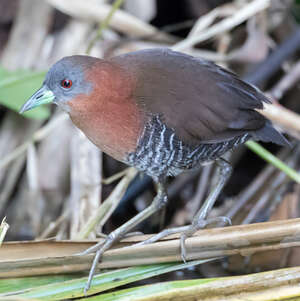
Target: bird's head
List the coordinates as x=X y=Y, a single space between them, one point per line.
x=98 y=95
x=64 y=81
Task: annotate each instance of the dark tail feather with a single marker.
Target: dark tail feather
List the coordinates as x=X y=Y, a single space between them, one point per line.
x=269 y=134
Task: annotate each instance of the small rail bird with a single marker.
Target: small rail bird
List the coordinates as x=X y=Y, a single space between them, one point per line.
x=161 y=111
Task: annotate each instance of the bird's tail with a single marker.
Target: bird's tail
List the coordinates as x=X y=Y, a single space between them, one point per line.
x=269 y=134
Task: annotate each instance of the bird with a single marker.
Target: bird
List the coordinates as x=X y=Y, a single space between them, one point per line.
x=163 y=112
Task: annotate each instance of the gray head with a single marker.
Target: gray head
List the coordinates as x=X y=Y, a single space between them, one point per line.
x=64 y=81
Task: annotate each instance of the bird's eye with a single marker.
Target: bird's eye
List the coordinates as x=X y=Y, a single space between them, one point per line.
x=66 y=83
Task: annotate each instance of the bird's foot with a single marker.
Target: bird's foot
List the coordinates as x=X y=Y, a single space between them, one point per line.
x=99 y=249
x=161 y=235
x=197 y=225
x=158 y=203
x=99 y=245
x=186 y=231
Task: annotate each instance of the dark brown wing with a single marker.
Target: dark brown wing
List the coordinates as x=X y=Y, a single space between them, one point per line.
x=201 y=101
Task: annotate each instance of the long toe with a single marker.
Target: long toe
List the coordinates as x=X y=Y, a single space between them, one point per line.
x=203 y=223
x=96 y=259
x=161 y=235
x=100 y=249
x=198 y=225
x=94 y=248
x=222 y=221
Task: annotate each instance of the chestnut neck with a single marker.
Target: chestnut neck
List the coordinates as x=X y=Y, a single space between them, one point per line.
x=109 y=116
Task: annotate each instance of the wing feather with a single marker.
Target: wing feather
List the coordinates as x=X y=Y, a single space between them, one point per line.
x=201 y=101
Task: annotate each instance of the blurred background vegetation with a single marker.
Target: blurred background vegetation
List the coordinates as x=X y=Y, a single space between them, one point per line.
x=53 y=180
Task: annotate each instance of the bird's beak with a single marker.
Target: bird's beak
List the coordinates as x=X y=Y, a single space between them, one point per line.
x=40 y=97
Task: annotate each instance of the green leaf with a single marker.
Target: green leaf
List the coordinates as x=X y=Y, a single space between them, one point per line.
x=151 y=291
x=17 y=86
x=19 y=284
x=101 y=282
x=274 y=285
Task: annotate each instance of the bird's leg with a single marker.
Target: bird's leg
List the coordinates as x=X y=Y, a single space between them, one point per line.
x=200 y=219
x=159 y=202
x=225 y=170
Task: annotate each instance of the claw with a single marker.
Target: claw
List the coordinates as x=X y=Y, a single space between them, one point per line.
x=182 y=247
x=220 y=220
x=96 y=259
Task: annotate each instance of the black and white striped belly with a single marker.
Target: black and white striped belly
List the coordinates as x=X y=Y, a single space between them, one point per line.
x=160 y=153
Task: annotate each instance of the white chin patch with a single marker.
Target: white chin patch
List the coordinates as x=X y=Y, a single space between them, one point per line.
x=63 y=105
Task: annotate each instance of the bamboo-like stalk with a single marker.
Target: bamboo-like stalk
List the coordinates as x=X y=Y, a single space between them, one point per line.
x=38 y=258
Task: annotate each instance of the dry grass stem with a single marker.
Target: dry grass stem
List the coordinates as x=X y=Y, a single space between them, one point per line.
x=226 y=24
x=205 y=21
x=282 y=116
x=93 y=11
x=46 y=257
x=54 y=225
x=115 y=177
x=86 y=173
x=24 y=33
x=286 y=82
x=4 y=226
x=37 y=136
x=102 y=214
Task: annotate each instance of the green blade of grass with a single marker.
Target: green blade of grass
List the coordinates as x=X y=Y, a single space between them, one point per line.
x=151 y=291
x=266 y=155
x=102 y=282
x=266 y=286
x=14 y=285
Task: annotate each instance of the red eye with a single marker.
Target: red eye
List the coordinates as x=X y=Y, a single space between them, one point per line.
x=66 y=83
